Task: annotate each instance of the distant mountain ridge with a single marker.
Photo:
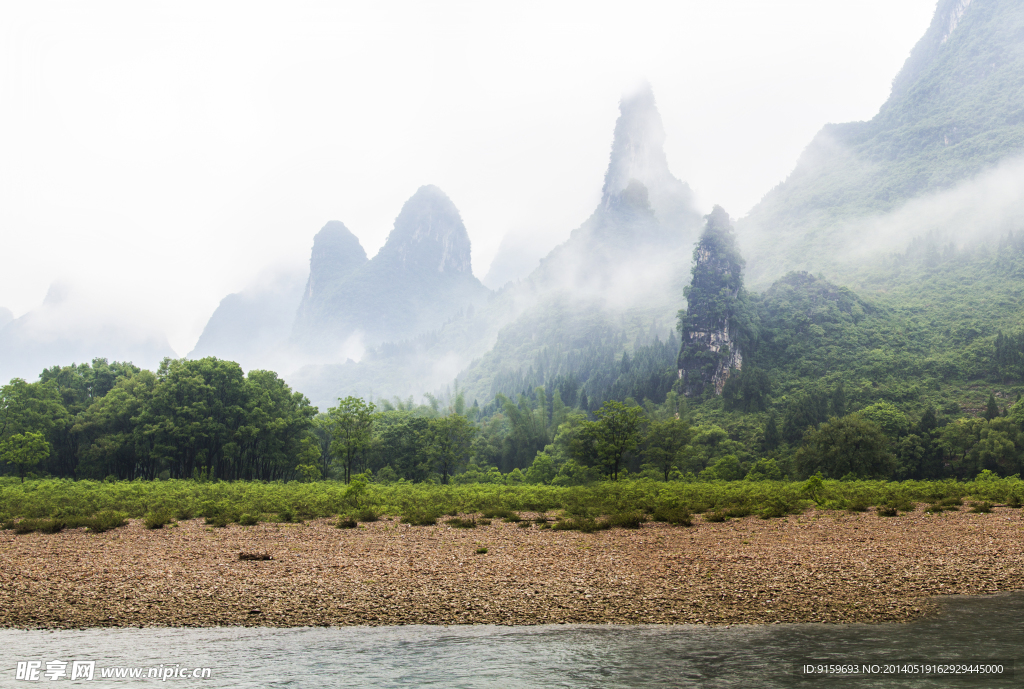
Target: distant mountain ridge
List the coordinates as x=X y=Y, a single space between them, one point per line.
x=420 y=277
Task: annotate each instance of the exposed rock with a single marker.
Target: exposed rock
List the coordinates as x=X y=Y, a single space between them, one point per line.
x=710 y=338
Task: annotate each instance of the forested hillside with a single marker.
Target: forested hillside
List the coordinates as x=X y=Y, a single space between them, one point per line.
x=955 y=112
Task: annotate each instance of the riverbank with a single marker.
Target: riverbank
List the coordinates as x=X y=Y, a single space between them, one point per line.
x=820 y=566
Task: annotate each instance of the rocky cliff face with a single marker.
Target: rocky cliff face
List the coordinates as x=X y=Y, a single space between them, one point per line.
x=709 y=327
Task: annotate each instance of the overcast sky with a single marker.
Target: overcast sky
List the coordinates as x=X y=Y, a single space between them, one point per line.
x=159 y=155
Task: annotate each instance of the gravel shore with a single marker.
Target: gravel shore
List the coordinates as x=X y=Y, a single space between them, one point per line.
x=815 y=567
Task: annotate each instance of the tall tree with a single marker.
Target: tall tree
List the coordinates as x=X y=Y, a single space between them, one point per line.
x=352 y=430
x=618 y=430
x=24 y=451
x=665 y=443
x=449 y=442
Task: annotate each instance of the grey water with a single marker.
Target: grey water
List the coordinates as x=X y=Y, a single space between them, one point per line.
x=968 y=630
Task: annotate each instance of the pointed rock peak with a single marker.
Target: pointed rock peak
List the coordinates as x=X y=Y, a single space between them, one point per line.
x=638 y=150
x=718 y=220
x=335 y=242
x=429 y=234
x=718 y=241
x=336 y=254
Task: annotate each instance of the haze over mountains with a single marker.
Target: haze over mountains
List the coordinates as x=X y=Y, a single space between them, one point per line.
x=941 y=159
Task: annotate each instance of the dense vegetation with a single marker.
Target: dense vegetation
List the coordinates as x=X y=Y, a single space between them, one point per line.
x=917 y=381
x=54 y=504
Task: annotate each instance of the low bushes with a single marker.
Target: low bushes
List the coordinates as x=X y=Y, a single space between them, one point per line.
x=221 y=503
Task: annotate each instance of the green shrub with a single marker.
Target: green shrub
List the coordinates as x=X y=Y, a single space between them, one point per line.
x=219 y=521
x=776 y=509
x=286 y=515
x=481 y=551
x=458 y=523
x=716 y=516
x=673 y=515
x=627 y=520
x=524 y=524
x=106 y=520
x=739 y=511
x=366 y=515
x=346 y=523
x=1014 y=501
x=248 y=519
x=583 y=524
x=512 y=519
x=157 y=518
x=484 y=522
x=419 y=519
x=887 y=511
x=47 y=526
x=498 y=513
x=981 y=507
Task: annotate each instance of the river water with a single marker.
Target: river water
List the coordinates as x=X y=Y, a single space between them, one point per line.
x=969 y=630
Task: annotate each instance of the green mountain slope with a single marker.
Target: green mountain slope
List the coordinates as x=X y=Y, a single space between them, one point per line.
x=956 y=110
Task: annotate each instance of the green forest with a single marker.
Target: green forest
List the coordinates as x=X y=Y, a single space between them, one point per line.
x=917 y=376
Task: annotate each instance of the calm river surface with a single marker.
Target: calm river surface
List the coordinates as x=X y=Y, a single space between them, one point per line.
x=968 y=630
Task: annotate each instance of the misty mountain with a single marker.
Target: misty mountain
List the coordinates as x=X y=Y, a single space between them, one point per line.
x=955 y=112
x=421 y=277
x=621 y=273
x=66 y=328
x=252 y=327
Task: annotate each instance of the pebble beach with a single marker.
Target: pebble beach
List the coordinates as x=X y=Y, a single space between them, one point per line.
x=820 y=566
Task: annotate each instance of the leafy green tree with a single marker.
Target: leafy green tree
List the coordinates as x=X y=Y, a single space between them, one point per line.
x=727 y=468
x=764 y=470
x=112 y=441
x=848 y=445
x=351 y=430
x=957 y=440
x=32 y=407
x=666 y=442
x=448 y=443
x=24 y=451
x=542 y=471
x=191 y=419
x=618 y=430
x=891 y=420
x=398 y=445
